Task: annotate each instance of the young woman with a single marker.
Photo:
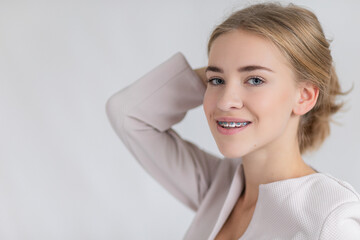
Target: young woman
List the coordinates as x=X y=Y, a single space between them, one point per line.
x=268 y=93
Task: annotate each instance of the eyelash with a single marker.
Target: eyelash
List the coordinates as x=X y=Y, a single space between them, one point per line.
x=255 y=85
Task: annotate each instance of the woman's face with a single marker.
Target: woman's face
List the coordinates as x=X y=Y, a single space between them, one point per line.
x=251 y=81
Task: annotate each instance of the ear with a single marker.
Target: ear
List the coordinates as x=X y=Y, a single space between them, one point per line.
x=307 y=94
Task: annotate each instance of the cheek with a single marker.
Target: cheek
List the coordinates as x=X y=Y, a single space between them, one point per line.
x=274 y=103
x=209 y=103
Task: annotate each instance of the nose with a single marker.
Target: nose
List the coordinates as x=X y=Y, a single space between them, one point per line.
x=231 y=98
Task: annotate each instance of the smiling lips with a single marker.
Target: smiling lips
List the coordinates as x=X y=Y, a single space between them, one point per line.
x=233 y=124
x=230 y=119
x=232 y=130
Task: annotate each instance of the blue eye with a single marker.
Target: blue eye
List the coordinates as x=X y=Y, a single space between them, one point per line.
x=256 y=81
x=212 y=79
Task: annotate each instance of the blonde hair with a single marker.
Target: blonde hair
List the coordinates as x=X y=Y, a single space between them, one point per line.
x=298 y=34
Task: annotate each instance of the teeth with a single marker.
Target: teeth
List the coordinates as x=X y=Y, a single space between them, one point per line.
x=233 y=124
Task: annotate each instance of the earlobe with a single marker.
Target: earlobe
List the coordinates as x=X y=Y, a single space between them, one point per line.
x=307 y=96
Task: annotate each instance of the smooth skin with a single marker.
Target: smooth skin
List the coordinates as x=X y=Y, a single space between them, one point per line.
x=271 y=100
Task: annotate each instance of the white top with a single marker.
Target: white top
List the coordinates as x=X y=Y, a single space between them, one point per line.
x=316 y=206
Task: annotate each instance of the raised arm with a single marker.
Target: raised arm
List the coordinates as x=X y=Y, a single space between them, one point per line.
x=142 y=115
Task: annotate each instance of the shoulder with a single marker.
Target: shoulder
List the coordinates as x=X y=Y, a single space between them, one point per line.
x=342 y=220
x=338 y=190
x=326 y=192
x=318 y=193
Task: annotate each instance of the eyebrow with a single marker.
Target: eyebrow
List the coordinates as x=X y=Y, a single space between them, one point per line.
x=241 y=69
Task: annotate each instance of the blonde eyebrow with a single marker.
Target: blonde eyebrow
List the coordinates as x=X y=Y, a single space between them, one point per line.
x=249 y=68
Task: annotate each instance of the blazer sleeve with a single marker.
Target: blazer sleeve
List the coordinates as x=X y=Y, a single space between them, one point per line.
x=142 y=114
x=342 y=223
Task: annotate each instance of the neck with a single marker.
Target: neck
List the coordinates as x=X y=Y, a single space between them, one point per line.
x=271 y=165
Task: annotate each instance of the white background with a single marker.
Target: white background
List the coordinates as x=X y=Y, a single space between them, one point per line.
x=64 y=174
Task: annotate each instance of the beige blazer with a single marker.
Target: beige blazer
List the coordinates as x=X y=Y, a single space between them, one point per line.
x=316 y=206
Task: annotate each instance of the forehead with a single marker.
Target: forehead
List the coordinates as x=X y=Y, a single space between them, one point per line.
x=239 y=48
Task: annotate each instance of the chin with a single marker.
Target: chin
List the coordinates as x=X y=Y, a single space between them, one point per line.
x=232 y=152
